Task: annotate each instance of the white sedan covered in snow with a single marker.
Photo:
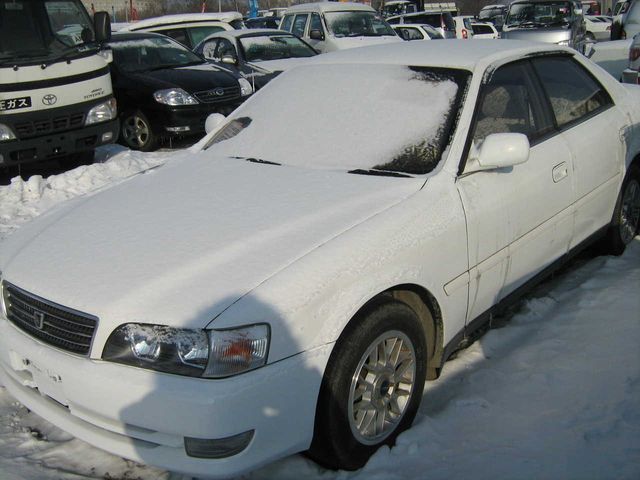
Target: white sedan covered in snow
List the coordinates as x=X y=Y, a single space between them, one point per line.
x=291 y=284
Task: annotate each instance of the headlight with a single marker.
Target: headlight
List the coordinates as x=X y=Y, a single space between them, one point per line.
x=174 y=97
x=6 y=133
x=102 y=112
x=564 y=43
x=196 y=353
x=245 y=87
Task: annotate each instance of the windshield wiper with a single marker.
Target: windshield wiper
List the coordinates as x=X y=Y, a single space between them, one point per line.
x=67 y=54
x=557 y=22
x=379 y=173
x=171 y=65
x=259 y=160
x=20 y=57
x=528 y=24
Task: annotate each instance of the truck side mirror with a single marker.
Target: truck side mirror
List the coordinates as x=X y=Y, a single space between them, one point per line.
x=316 y=35
x=102 y=26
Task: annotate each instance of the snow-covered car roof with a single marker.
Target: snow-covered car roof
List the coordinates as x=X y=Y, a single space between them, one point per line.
x=450 y=54
x=183 y=18
x=329 y=7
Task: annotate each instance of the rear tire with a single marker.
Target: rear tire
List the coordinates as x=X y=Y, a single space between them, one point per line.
x=626 y=216
x=372 y=386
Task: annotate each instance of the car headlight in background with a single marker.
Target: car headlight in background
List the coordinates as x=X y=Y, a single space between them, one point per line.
x=174 y=97
x=245 y=87
x=196 y=353
x=6 y=133
x=564 y=43
x=102 y=112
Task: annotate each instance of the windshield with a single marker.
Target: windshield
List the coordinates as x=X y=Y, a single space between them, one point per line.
x=538 y=14
x=357 y=24
x=145 y=54
x=274 y=47
x=43 y=30
x=398 y=8
x=348 y=117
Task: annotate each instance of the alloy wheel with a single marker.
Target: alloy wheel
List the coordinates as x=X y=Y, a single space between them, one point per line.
x=381 y=387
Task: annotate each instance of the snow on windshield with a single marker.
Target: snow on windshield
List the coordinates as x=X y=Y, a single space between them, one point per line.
x=345 y=117
x=142 y=54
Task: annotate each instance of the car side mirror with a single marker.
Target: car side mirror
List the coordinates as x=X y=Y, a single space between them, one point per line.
x=102 y=26
x=230 y=59
x=499 y=150
x=316 y=35
x=213 y=121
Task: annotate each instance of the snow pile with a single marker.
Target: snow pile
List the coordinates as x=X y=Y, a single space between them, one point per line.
x=23 y=200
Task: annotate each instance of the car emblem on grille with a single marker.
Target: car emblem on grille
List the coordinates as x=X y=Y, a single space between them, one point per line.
x=38 y=319
x=219 y=91
x=49 y=99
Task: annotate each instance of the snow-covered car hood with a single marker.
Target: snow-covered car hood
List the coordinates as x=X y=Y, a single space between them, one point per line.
x=181 y=243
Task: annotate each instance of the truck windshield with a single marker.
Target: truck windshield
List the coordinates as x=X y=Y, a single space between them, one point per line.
x=538 y=14
x=43 y=30
x=357 y=24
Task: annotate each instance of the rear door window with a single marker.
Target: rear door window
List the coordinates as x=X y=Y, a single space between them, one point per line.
x=316 y=23
x=178 y=34
x=482 y=29
x=287 y=21
x=299 y=24
x=409 y=33
x=198 y=34
x=573 y=93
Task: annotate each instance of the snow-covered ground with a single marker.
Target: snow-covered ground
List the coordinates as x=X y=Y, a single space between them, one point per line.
x=555 y=394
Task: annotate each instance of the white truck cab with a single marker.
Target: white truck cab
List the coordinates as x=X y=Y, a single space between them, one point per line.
x=329 y=26
x=56 y=99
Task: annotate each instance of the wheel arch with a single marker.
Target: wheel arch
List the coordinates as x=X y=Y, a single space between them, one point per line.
x=424 y=305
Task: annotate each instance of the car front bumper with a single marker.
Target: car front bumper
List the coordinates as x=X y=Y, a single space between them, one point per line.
x=57 y=145
x=188 y=119
x=145 y=416
x=631 y=76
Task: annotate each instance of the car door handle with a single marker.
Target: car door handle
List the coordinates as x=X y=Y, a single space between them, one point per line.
x=559 y=172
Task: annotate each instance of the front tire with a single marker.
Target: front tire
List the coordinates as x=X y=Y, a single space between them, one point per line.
x=372 y=386
x=626 y=216
x=136 y=132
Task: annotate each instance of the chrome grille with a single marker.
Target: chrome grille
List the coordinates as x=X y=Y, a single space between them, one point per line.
x=219 y=94
x=49 y=125
x=54 y=324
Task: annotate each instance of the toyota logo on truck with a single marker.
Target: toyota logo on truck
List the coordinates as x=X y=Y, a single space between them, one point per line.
x=49 y=99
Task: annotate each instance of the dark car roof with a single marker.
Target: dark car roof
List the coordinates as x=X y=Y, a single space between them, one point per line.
x=124 y=36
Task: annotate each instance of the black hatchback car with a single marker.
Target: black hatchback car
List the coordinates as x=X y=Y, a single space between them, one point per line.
x=164 y=90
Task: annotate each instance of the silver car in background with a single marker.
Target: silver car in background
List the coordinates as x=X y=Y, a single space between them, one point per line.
x=550 y=21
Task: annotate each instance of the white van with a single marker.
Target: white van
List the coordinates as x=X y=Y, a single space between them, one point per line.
x=188 y=28
x=332 y=26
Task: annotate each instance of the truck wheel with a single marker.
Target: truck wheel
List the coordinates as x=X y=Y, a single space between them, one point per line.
x=136 y=132
x=371 y=388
